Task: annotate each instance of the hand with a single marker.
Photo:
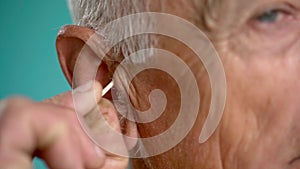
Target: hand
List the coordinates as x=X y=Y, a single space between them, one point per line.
x=51 y=131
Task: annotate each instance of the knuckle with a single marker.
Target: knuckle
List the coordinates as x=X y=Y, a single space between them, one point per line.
x=17 y=99
x=17 y=103
x=14 y=105
x=56 y=131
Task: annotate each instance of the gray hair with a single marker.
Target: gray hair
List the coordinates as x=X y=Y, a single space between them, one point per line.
x=97 y=13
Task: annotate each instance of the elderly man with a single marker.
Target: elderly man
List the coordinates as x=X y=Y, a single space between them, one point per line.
x=258 y=42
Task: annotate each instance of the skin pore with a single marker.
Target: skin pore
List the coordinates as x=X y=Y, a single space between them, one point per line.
x=259 y=44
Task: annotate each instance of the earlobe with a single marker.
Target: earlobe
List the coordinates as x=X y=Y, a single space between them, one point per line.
x=73 y=41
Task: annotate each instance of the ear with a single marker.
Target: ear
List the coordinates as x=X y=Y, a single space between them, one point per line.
x=70 y=43
x=75 y=41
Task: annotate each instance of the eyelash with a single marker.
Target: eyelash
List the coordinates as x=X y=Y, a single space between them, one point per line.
x=283 y=13
x=266 y=14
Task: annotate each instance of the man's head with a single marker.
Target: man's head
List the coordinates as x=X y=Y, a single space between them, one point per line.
x=259 y=44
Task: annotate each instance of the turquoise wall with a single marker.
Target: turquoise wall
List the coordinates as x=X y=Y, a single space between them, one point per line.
x=29 y=64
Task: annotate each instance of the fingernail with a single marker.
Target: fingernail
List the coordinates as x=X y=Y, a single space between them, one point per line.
x=99 y=152
x=85 y=88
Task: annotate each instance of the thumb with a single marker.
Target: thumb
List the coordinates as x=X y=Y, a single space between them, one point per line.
x=85 y=97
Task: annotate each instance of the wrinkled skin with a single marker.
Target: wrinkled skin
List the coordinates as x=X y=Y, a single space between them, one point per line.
x=260 y=127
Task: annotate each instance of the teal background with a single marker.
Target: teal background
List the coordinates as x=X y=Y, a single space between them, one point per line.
x=29 y=64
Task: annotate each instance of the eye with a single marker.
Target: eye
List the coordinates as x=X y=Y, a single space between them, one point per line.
x=275 y=14
x=275 y=17
x=269 y=16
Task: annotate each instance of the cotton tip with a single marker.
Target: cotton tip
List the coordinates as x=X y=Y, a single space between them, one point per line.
x=107 y=88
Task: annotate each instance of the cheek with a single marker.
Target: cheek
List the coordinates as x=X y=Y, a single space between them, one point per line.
x=262 y=108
